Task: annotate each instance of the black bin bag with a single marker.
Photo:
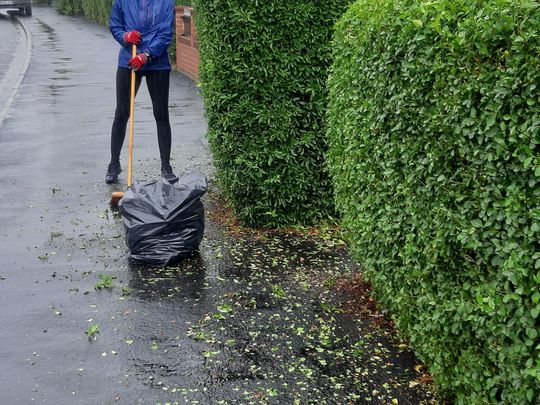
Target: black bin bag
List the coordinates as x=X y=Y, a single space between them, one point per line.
x=164 y=222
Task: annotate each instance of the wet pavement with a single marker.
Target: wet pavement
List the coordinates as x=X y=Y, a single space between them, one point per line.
x=14 y=49
x=254 y=317
x=8 y=45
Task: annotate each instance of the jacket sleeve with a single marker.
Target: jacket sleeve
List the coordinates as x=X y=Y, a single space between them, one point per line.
x=116 y=22
x=162 y=40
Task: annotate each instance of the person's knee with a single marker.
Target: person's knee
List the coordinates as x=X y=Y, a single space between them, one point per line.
x=121 y=115
x=161 y=117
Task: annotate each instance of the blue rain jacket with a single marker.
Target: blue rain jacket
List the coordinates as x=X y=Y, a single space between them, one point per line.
x=154 y=19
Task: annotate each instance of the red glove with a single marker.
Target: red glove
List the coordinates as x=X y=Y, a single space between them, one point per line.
x=138 y=61
x=132 y=37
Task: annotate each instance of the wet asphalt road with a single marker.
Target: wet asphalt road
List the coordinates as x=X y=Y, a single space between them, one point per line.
x=254 y=317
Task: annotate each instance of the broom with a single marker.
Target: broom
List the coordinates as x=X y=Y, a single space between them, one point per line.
x=118 y=195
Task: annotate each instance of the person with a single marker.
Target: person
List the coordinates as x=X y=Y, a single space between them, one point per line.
x=149 y=25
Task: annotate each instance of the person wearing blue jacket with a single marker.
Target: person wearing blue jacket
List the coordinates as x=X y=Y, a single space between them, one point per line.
x=149 y=25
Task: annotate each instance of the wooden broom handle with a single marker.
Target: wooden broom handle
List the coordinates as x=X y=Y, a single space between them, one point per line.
x=131 y=120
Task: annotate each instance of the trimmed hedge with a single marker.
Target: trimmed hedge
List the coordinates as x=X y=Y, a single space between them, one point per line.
x=434 y=126
x=94 y=10
x=97 y=10
x=69 y=7
x=263 y=72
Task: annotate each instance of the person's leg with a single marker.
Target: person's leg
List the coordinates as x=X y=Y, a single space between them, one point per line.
x=121 y=117
x=158 y=87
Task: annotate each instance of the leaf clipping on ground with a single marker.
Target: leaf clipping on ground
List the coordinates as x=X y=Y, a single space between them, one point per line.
x=92 y=330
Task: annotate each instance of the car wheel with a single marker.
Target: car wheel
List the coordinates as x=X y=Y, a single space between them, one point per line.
x=28 y=10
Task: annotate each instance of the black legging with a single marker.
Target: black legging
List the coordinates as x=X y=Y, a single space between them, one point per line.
x=158 y=87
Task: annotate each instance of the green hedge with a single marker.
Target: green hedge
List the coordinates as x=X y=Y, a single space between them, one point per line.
x=263 y=72
x=69 y=7
x=94 y=10
x=434 y=126
x=97 y=10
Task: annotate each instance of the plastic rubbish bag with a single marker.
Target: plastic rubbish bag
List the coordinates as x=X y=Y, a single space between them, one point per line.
x=164 y=222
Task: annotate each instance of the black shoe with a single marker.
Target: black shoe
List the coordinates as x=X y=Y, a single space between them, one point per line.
x=168 y=174
x=112 y=173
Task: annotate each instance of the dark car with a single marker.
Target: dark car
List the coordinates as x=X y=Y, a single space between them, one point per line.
x=24 y=6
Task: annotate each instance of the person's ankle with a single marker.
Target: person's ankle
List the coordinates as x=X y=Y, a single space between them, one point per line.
x=114 y=165
x=113 y=171
x=167 y=173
